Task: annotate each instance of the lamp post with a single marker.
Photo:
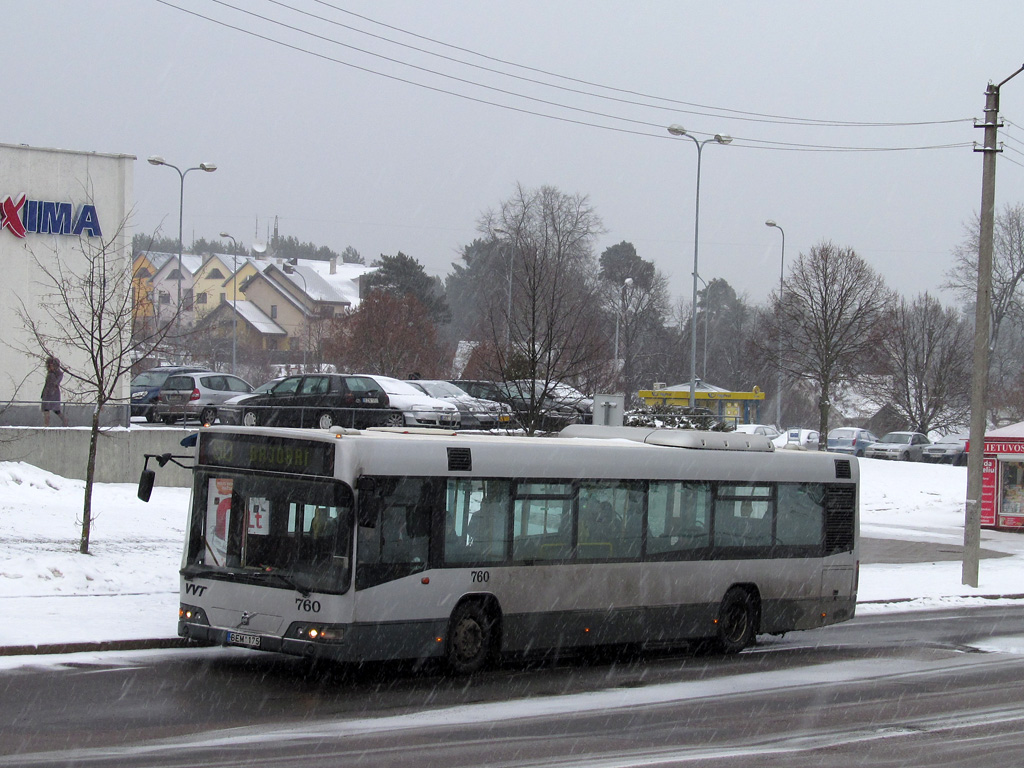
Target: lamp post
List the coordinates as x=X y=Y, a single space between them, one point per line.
x=678 y=130
x=508 y=311
x=622 y=310
x=209 y=168
x=782 y=273
x=234 y=300
x=707 y=298
x=290 y=268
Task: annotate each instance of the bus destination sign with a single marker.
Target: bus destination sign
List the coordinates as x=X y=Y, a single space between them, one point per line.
x=267 y=454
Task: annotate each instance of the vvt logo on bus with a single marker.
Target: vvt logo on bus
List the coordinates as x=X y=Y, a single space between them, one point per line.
x=20 y=216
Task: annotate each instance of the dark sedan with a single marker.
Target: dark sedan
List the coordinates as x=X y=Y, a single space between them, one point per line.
x=317 y=400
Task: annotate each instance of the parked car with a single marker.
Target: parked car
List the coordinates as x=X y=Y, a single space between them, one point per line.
x=798 y=439
x=902 y=446
x=556 y=404
x=759 y=429
x=412 y=408
x=230 y=411
x=197 y=395
x=485 y=390
x=951 y=449
x=852 y=440
x=475 y=412
x=146 y=387
x=317 y=400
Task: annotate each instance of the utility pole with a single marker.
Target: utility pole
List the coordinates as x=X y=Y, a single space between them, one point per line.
x=982 y=333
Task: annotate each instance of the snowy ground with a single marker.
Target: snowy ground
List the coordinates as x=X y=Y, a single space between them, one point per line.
x=127 y=588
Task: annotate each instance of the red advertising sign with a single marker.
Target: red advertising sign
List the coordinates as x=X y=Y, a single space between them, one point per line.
x=989 y=477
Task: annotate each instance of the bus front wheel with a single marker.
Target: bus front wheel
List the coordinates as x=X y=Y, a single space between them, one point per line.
x=737 y=621
x=470 y=638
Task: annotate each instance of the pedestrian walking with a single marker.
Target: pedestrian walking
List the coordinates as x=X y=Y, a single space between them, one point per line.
x=51 y=391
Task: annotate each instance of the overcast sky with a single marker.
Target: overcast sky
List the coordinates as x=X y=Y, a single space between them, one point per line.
x=350 y=149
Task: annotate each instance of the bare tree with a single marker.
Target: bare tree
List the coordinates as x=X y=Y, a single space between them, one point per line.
x=1007 y=355
x=389 y=335
x=1007 y=267
x=826 y=328
x=550 y=329
x=86 y=305
x=926 y=353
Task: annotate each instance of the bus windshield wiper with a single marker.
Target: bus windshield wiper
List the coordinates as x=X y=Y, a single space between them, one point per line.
x=288 y=580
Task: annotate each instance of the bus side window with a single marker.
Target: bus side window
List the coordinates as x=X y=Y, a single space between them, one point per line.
x=743 y=516
x=399 y=542
x=677 y=517
x=801 y=515
x=476 y=521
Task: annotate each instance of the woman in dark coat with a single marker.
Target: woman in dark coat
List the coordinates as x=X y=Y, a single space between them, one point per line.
x=51 y=391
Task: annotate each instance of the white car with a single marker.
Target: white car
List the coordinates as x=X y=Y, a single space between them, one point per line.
x=798 y=439
x=758 y=429
x=898 y=446
x=413 y=408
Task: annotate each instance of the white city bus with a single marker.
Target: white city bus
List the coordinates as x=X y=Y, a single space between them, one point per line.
x=368 y=545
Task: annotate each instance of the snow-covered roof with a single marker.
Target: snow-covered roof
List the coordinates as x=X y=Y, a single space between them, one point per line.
x=258 y=319
x=314 y=278
x=190 y=262
x=1010 y=430
x=158 y=258
x=701 y=386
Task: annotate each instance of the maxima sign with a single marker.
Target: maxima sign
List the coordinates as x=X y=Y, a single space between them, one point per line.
x=20 y=216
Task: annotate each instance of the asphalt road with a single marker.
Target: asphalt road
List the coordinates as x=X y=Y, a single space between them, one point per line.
x=929 y=688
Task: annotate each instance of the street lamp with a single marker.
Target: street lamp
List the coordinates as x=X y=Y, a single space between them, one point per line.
x=782 y=272
x=234 y=300
x=622 y=310
x=678 y=130
x=707 y=299
x=508 y=311
x=290 y=269
x=209 y=168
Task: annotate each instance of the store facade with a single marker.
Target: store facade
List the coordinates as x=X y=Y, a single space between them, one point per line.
x=1002 y=479
x=56 y=207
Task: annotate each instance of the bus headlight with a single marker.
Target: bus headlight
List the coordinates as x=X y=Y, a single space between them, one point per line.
x=318 y=633
x=192 y=614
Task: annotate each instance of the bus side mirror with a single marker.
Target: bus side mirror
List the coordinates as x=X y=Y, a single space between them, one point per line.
x=146 y=482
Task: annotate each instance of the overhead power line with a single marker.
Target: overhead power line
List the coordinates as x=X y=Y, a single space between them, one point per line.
x=657 y=128
x=763 y=117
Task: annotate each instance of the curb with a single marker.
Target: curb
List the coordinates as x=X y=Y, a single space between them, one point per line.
x=1016 y=596
x=100 y=646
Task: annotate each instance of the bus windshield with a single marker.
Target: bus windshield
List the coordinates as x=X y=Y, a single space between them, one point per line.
x=296 y=534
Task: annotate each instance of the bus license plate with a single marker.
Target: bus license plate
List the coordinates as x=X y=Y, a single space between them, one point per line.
x=240 y=638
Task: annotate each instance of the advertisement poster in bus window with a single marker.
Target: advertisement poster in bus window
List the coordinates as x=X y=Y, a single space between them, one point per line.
x=218 y=514
x=259 y=516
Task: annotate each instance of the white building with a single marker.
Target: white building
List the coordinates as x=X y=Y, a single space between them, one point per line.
x=53 y=203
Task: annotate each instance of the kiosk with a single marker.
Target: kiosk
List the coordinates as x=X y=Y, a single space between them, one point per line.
x=1002 y=479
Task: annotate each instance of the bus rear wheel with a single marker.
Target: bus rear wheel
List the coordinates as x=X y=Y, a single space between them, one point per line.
x=470 y=638
x=737 y=621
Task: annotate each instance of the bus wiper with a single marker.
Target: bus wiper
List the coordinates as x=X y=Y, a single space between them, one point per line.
x=288 y=580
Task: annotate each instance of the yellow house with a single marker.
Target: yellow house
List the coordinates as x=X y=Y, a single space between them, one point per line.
x=145 y=265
